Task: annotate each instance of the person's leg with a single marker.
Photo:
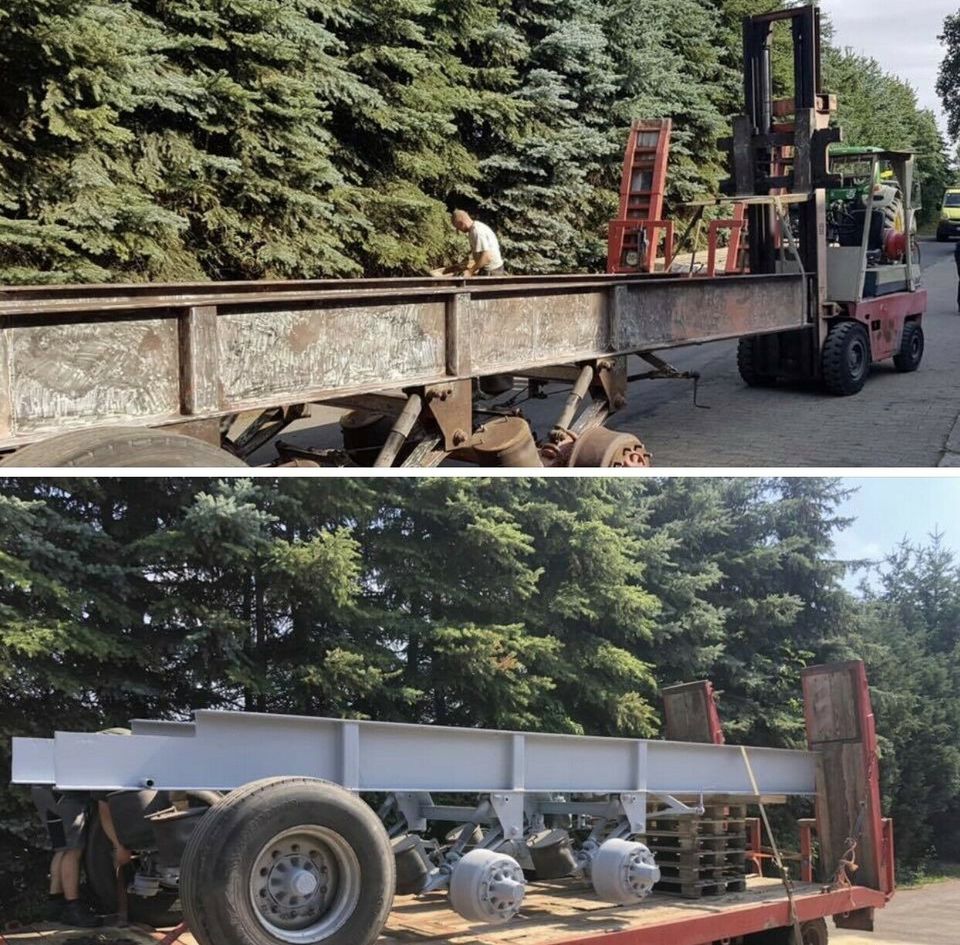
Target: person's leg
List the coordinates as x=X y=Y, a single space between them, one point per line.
x=70 y=874
x=73 y=812
x=56 y=883
x=46 y=805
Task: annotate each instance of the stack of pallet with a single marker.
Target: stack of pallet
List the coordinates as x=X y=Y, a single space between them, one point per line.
x=700 y=856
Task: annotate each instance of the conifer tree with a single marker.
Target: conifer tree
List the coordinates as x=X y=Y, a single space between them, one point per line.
x=77 y=183
x=541 y=181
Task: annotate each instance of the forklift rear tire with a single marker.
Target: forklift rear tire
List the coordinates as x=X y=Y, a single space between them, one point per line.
x=749 y=361
x=846 y=359
x=288 y=860
x=911 y=348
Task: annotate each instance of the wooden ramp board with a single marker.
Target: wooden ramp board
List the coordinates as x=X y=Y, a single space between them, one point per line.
x=42 y=934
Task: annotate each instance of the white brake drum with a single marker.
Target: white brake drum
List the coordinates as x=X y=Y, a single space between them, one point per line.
x=487 y=887
x=623 y=872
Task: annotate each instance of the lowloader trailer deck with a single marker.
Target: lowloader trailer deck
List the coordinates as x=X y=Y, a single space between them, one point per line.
x=143 y=375
x=339 y=832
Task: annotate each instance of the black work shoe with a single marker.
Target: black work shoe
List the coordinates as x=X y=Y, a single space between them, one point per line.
x=79 y=916
x=54 y=908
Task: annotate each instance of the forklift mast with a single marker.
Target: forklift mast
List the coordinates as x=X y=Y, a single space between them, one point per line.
x=772 y=155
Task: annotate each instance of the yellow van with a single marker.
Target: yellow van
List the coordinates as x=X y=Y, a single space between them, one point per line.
x=949 y=225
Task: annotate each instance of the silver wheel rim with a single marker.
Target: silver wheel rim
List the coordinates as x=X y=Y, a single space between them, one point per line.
x=305 y=884
x=856 y=358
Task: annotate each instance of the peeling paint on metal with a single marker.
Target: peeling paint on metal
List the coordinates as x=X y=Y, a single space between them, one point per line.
x=270 y=353
x=94 y=371
x=507 y=333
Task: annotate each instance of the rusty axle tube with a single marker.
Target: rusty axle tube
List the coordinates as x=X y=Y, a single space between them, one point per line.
x=574 y=399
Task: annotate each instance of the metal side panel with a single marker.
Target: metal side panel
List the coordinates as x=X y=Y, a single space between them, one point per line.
x=283 y=354
x=504 y=333
x=844 y=273
x=153 y=361
x=230 y=749
x=68 y=374
x=663 y=315
x=33 y=761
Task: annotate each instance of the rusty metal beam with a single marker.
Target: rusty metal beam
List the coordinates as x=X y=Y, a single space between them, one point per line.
x=74 y=361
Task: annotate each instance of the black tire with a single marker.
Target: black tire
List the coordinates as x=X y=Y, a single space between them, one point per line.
x=121 y=446
x=911 y=348
x=160 y=911
x=219 y=862
x=813 y=932
x=845 y=359
x=941 y=238
x=749 y=363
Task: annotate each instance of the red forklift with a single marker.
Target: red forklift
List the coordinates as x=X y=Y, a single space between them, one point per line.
x=844 y=217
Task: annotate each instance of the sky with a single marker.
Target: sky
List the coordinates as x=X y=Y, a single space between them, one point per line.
x=887 y=510
x=901 y=37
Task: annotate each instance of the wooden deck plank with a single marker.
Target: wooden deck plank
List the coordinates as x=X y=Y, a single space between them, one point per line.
x=558 y=913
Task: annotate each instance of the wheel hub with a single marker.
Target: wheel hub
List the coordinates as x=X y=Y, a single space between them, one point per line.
x=304 y=884
x=296 y=880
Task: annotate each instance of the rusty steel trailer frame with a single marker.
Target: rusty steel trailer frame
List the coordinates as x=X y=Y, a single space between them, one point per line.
x=79 y=357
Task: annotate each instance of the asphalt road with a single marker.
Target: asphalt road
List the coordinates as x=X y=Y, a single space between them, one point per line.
x=926 y=916
x=897 y=421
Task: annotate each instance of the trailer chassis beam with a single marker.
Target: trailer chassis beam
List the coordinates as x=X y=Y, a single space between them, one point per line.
x=155 y=357
x=224 y=750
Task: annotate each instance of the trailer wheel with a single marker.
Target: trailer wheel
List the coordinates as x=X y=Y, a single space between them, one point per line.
x=813 y=932
x=121 y=446
x=911 y=348
x=749 y=363
x=293 y=860
x=846 y=359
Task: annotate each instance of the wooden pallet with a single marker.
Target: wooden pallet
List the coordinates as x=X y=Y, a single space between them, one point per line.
x=700 y=856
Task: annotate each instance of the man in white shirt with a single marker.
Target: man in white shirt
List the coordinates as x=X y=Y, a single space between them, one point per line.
x=485 y=258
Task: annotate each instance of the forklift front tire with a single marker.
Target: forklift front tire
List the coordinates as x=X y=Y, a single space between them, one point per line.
x=750 y=364
x=846 y=359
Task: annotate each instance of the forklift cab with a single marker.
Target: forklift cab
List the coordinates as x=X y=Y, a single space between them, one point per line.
x=871 y=221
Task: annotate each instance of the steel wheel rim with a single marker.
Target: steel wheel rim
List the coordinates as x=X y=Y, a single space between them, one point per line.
x=305 y=884
x=856 y=359
x=915 y=346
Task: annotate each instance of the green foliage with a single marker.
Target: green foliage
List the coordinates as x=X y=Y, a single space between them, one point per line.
x=948 y=79
x=554 y=605
x=179 y=139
